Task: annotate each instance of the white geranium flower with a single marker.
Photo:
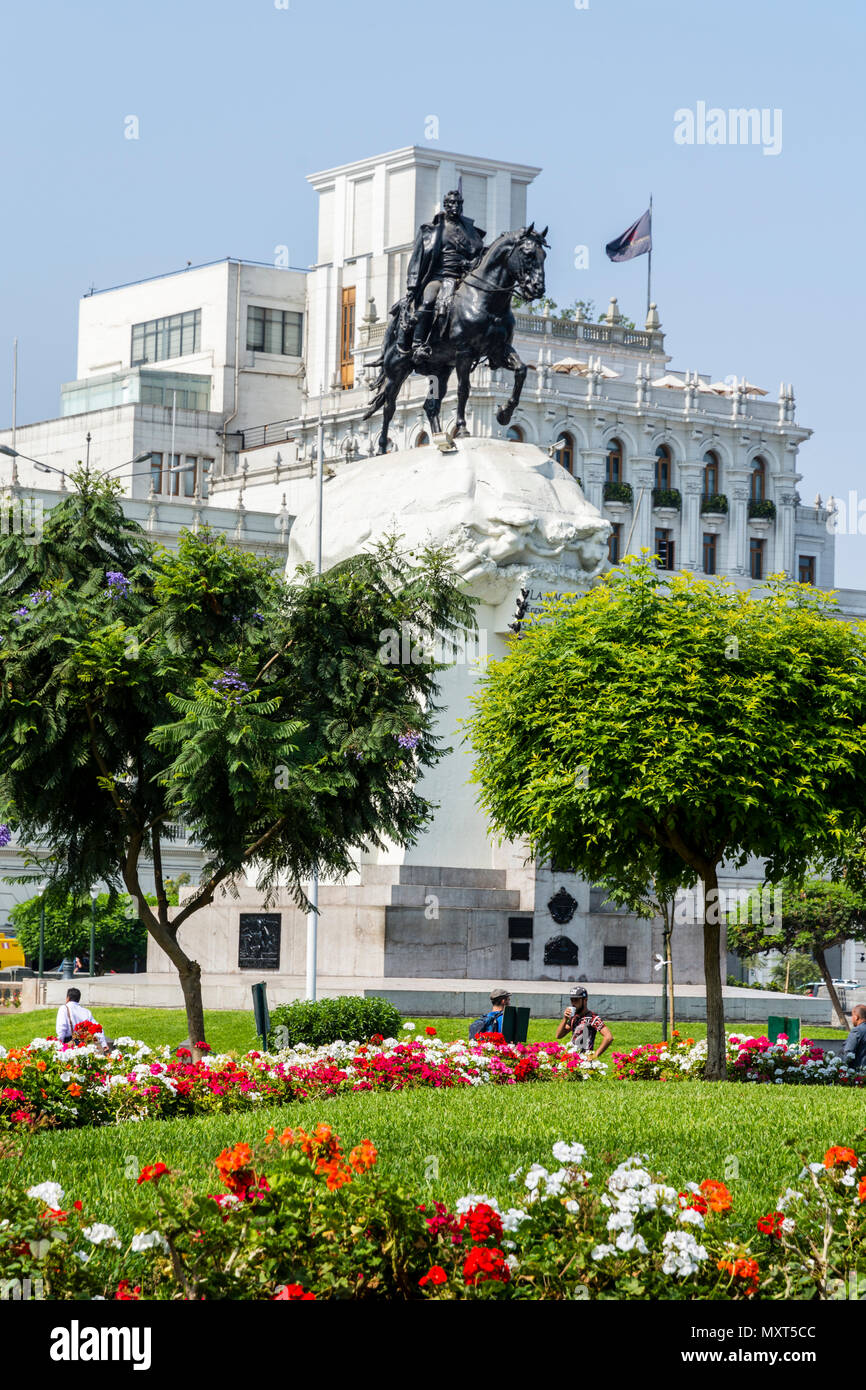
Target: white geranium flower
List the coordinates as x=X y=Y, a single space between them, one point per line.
x=601 y=1252
x=408 y=1027
x=788 y=1226
x=51 y=1193
x=146 y=1240
x=631 y=1240
x=512 y=1262
x=100 y=1234
x=536 y=1175
x=620 y=1221
x=569 y=1153
x=513 y=1218
x=690 y=1217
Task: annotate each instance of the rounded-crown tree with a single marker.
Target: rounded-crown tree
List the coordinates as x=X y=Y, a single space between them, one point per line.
x=659 y=727
x=142 y=687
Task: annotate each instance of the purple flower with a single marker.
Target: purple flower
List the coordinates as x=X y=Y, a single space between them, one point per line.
x=5 y=835
x=230 y=685
x=408 y=740
x=118 y=584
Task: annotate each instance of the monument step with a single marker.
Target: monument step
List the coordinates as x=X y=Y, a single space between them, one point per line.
x=412 y=895
x=421 y=875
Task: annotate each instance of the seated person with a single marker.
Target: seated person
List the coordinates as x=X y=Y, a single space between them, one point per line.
x=854 y=1051
x=492 y=1021
x=584 y=1026
x=70 y=1014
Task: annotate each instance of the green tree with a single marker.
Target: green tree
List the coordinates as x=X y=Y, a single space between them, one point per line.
x=119 y=936
x=816 y=915
x=143 y=686
x=793 y=971
x=660 y=726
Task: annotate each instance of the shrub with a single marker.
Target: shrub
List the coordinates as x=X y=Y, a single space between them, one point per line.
x=346 y=1018
x=667 y=497
x=716 y=502
x=618 y=492
x=764 y=510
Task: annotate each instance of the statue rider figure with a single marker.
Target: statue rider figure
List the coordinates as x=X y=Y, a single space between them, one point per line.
x=444 y=251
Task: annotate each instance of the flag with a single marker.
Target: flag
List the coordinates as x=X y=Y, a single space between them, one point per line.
x=634 y=242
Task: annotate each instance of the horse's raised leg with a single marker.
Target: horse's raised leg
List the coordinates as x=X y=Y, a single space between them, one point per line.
x=432 y=405
x=388 y=408
x=464 y=368
x=513 y=364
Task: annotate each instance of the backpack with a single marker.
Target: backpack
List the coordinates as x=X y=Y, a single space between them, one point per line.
x=482 y=1025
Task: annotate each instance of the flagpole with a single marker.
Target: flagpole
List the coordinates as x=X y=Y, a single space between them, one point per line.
x=649 y=260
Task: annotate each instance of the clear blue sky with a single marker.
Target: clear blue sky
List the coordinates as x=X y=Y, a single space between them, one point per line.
x=758 y=261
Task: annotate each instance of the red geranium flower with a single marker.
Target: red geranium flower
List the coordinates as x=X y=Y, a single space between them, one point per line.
x=771 y=1224
x=435 y=1275
x=717 y=1195
x=483 y=1264
x=125 y=1293
x=431 y=1032
x=153 y=1172
x=293 y=1293
x=482 y=1222
x=840 y=1158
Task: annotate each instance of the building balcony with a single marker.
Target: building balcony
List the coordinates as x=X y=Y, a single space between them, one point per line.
x=618 y=492
x=763 y=510
x=667 y=499
x=716 y=504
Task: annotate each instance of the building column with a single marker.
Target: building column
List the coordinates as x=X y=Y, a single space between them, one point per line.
x=785 y=559
x=690 y=521
x=590 y=467
x=738 y=529
x=641 y=477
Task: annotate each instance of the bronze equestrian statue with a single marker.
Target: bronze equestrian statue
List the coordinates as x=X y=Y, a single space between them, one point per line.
x=457 y=312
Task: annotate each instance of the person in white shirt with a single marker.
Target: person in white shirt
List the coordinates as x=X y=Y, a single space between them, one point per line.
x=70 y=1014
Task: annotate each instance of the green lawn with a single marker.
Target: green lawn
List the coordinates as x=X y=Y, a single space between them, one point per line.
x=233 y=1029
x=474 y=1138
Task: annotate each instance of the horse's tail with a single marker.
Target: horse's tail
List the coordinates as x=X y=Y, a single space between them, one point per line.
x=384 y=378
x=380 y=397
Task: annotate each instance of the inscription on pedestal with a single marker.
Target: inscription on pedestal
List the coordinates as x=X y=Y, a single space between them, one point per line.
x=259 y=941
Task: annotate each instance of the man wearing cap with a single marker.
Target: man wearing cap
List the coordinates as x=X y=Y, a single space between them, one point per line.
x=492 y=1021
x=584 y=1026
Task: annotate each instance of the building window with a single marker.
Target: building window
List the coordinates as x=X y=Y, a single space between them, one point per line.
x=806 y=569
x=347 y=338
x=514 y=432
x=614 y=543
x=176 y=475
x=664 y=549
x=520 y=950
x=613 y=463
x=564 y=451
x=422 y=439
x=711 y=475
x=158 y=339
x=756 y=557
x=278 y=331
x=616 y=955
x=664 y=469
x=759 y=480
x=710 y=552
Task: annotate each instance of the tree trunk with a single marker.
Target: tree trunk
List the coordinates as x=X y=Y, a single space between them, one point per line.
x=716 y=1065
x=164 y=934
x=831 y=988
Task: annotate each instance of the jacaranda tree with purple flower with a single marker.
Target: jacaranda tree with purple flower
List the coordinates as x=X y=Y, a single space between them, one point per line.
x=148 y=686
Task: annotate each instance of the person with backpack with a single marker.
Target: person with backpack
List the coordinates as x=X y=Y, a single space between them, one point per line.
x=584 y=1026
x=491 y=1022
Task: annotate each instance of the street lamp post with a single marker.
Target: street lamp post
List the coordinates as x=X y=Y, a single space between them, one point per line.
x=313 y=914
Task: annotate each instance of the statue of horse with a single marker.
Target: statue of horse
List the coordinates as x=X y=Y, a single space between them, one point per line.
x=479 y=326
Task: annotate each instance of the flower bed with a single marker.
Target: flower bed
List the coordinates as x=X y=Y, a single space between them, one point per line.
x=297 y=1219
x=748 y=1059
x=61 y=1085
